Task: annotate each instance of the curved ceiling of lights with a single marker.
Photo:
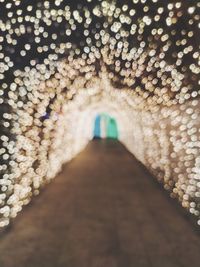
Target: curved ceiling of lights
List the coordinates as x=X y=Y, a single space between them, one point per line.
x=62 y=62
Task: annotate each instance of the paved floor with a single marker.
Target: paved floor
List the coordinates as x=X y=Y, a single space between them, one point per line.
x=103 y=210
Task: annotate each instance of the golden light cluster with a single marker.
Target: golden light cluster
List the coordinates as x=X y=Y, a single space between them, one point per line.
x=60 y=59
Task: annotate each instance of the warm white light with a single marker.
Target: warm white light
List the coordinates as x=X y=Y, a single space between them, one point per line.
x=60 y=65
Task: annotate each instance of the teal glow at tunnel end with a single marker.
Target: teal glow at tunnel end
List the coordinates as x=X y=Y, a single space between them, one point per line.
x=111 y=126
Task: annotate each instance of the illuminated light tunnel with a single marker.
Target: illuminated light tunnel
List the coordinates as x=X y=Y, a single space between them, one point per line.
x=106 y=123
x=65 y=63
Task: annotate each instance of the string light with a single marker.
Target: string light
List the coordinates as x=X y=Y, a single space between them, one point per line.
x=62 y=62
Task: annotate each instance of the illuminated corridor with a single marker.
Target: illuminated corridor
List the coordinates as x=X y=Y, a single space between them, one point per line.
x=99 y=133
x=96 y=214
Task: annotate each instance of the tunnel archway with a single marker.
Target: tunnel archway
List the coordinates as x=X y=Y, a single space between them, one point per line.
x=105 y=122
x=60 y=72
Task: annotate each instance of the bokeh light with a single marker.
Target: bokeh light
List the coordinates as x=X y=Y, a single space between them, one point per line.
x=62 y=62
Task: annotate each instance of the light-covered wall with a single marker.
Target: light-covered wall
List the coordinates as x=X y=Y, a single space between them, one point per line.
x=165 y=139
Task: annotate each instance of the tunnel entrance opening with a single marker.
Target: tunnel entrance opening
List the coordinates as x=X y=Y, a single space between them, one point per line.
x=105 y=126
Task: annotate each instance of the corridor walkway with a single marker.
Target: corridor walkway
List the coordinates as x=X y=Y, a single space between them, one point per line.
x=103 y=210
